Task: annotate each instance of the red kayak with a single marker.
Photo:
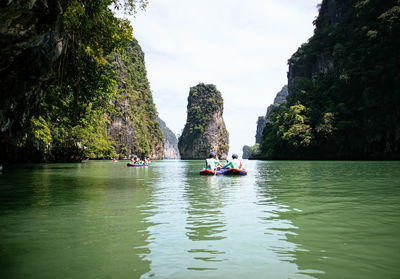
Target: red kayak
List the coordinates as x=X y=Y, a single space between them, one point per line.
x=207 y=172
x=136 y=165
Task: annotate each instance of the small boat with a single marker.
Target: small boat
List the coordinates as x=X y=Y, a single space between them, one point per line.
x=207 y=172
x=234 y=172
x=223 y=172
x=136 y=165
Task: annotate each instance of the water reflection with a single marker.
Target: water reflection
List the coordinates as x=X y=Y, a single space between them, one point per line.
x=278 y=215
x=333 y=218
x=205 y=222
x=282 y=220
x=84 y=220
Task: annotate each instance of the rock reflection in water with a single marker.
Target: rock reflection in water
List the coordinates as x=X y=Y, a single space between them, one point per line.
x=205 y=222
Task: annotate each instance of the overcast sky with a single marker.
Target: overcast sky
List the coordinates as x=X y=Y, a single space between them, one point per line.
x=240 y=46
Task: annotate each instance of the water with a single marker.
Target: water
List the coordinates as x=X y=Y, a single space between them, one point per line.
x=284 y=220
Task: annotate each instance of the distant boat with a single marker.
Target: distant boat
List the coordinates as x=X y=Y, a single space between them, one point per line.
x=137 y=165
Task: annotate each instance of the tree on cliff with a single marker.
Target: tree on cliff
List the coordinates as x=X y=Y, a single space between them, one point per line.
x=132 y=122
x=66 y=115
x=205 y=129
x=343 y=87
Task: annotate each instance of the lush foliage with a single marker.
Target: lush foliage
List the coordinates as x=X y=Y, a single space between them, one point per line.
x=344 y=87
x=203 y=101
x=205 y=129
x=134 y=106
x=73 y=106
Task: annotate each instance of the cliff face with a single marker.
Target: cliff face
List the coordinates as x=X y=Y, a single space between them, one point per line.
x=132 y=125
x=343 y=87
x=246 y=152
x=170 y=141
x=31 y=41
x=280 y=98
x=205 y=129
x=58 y=98
x=305 y=63
x=261 y=121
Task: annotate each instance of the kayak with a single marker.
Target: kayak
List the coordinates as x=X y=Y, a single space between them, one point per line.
x=136 y=165
x=207 y=172
x=233 y=172
x=223 y=172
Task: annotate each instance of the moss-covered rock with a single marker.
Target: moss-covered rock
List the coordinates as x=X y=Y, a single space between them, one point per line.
x=205 y=129
x=132 y=124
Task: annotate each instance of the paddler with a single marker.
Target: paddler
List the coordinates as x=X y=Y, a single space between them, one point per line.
x=212 y=161
x=234 y=164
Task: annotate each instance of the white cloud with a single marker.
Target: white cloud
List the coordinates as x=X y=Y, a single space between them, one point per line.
x=240 y=46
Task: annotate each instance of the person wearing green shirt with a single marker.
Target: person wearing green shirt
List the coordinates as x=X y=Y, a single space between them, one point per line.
x=234 y=164
x=212 y=162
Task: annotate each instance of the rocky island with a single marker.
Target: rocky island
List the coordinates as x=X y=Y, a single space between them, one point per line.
x=205 y=129
x=170 y=141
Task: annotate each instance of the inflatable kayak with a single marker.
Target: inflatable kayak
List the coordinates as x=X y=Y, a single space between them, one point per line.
x=233 y=172
x=223 y=172
x=136 y=165
x=207 y=172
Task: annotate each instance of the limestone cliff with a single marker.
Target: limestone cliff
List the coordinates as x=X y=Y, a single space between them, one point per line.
x=280 y=98
x=344 y=85
x=205 y=129
x=32 y=39
x=261 y=121
x=246 y=152
x=133 y=125
x=170 y=141
x=58 y=100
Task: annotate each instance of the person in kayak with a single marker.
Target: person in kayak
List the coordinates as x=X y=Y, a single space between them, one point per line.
x=217 y=162
x=234 y=164
x=212 y=162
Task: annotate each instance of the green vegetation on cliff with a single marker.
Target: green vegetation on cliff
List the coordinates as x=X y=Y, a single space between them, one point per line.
x=344 y=87
x=203 y=100
x=133 y=107
x=205 y=129
x=67 y=119
x=74 y=103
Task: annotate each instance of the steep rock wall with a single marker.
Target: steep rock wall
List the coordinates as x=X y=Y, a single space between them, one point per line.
x=32 y=39
x=205 y=129
x=133 y=125
x=343 y=87
x=246 y=152
x=280 y=98
x=171 y=150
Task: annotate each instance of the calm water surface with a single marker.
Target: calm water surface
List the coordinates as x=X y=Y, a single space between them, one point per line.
x=286 y=219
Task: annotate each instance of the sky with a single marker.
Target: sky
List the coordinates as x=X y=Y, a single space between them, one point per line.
x=240 y=46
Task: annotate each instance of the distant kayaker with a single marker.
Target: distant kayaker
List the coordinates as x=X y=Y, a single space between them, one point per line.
x=234 y=164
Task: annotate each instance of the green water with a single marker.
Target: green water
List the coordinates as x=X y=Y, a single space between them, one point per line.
x=284 y=220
